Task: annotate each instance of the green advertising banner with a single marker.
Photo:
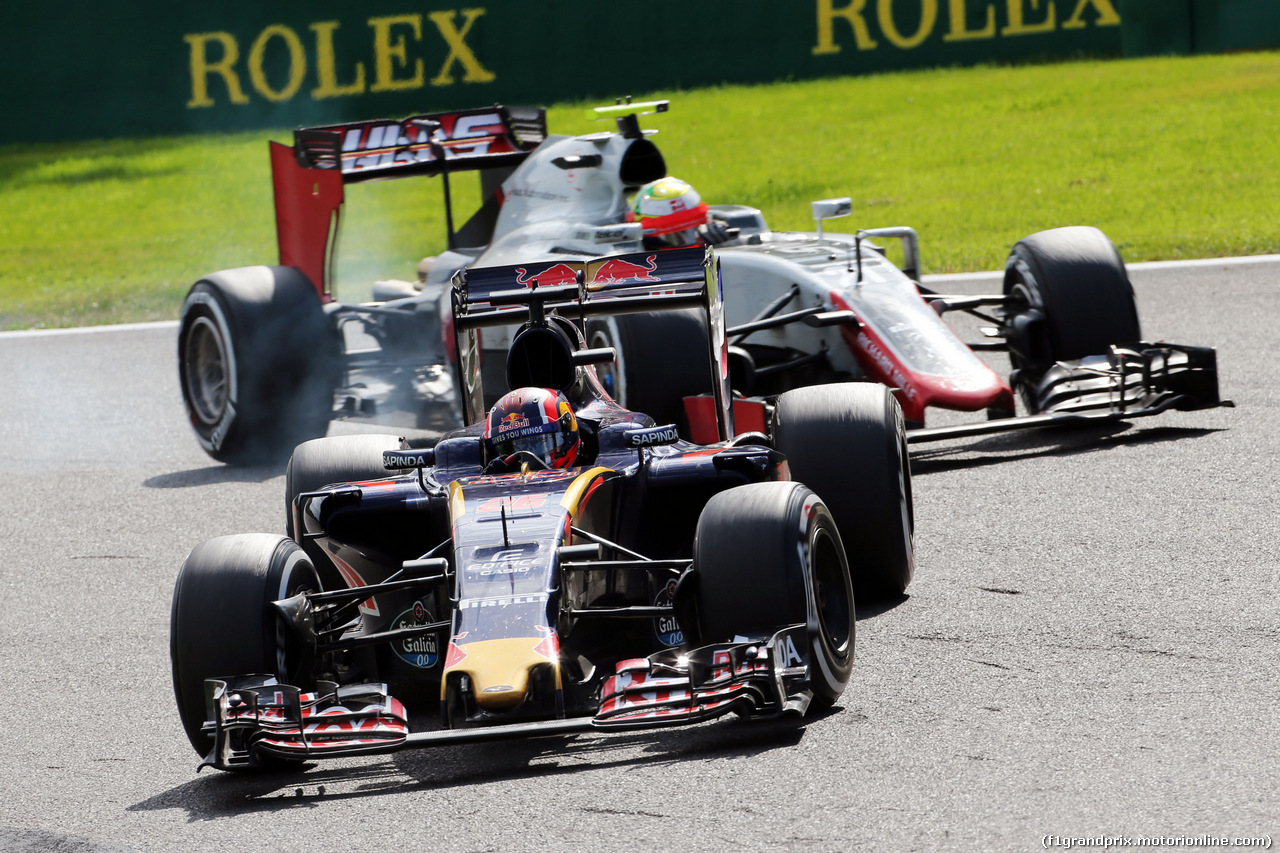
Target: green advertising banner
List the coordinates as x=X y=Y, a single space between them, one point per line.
x=143 y=67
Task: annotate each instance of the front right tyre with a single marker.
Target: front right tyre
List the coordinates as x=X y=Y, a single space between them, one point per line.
x=223 y=622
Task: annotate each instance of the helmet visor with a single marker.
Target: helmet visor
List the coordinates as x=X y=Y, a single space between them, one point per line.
x=542 y=446
x=545 y=442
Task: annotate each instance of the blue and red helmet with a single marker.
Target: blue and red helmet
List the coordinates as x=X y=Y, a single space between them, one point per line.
x=534 y=425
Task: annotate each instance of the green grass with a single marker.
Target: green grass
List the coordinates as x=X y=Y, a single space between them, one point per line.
x=1172 y=157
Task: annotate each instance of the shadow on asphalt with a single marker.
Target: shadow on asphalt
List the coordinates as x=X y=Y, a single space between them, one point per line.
x=214 y=474
x=872 y=609
x=1035 y=444
x=214 y=795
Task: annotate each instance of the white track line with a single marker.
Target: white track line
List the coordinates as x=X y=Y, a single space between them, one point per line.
x=996 y=275
x=88 y=330
x=993 y=275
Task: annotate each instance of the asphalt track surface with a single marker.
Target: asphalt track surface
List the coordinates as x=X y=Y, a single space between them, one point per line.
x=1089 y=648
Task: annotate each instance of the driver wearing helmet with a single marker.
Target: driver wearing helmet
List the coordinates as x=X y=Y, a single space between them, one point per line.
x=533 y=426
x=673 y=214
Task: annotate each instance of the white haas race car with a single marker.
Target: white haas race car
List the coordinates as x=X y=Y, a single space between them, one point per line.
x=267 y=357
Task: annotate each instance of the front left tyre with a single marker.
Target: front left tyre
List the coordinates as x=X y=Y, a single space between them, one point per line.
x=258 y=361
x=223 y=621
x=767 y=556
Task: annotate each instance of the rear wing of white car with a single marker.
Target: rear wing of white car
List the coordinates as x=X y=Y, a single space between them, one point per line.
x=308 y=177
x=431 y=143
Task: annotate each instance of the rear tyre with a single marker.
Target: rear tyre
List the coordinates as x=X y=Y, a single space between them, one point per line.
x=848 y=443
x=661 y=359
x=1070 y=297
x=222 y=622
x=767 y=556
x=258 y=361
x=336 y=459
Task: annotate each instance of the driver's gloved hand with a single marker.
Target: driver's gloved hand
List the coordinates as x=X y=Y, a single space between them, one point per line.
x=511 y=464
x=715 y=232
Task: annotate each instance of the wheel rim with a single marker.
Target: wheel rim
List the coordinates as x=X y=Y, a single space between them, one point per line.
x=1023 y=298
x=1020 y=301
x=206 y=371
x=291 y=656
x=833 y=592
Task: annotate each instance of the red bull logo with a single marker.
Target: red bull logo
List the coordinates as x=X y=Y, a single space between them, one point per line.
x=616 y=271
x=550 y=277
x=513 y=421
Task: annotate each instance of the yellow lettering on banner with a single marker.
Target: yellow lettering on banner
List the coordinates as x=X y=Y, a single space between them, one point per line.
x=326 y=69
x=473 y=71
x=1107 y=15
x=1018 y=27
x=201 y=68
x=852 y=13
x=297 y=63
x=928 y=15
x=389 y=54
x=959 y=30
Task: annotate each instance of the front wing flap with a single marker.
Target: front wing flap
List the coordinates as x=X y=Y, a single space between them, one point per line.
x=1131 y=381
x=253 y=718
x=754 y=678
x=1133 y=377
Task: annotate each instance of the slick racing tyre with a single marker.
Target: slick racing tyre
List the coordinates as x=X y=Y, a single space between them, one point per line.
x=661 y=359
x=222 y=621
x=848 y=443
x=324 y=461
x=258 y=361
x=1069 y=297
x=767 y=556
x=336 y=459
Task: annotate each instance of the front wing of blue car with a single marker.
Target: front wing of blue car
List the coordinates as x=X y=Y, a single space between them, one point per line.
x=254 y=720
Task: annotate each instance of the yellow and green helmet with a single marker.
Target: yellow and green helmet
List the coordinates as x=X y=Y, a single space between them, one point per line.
x=666 y=206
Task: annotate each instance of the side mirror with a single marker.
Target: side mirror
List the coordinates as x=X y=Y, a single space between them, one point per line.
x=601 y=235
x=830 y=208
x=832 y=318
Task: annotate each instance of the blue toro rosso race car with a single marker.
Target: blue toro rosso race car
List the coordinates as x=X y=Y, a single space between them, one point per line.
x=562 y=563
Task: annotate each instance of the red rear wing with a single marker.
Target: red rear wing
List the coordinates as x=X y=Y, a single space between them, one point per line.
x=308 y=177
